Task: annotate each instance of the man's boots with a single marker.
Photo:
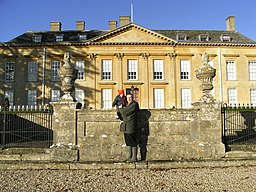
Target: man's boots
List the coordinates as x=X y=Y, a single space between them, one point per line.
x=134 y=155
x=143 y=153
x=129 y=153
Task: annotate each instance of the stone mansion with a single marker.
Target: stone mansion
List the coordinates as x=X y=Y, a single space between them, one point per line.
x=157 y=66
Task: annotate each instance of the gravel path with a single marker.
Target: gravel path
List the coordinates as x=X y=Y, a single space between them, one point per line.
x=197 y=179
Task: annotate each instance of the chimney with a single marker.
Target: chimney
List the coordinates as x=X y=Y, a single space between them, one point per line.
x=80 y=25
x=230 y=23
x=55 y=26
x=124 y=20
x=112 y=25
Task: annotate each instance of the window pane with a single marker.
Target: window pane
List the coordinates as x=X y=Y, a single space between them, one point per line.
x=132 y=69
x=106 y=69
x=82 y=37
x=158 y=69
x=9 y=94
x=232 y=96
x=55 y=95
x=184 y=69
x=79 y=95
x=31 y=100
x=158 y=98
x=253 y=96
x=80 y=68
x=55 y=66
x=59 y=38
x=231 y=70
x=252 y=70
x=9 y=71
x=37 y=38
x=185 y=98
x=107 y=98
x=32 y=71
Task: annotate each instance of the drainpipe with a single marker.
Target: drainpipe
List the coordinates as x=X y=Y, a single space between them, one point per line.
x=43 y=76
x=220 y=74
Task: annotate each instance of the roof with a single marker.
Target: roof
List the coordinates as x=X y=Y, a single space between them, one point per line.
x=191 y=36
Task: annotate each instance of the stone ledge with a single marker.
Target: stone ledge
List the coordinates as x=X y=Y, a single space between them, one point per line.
x=19 y=165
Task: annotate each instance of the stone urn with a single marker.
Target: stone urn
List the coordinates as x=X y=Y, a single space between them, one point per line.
x=68 y=76
x=206 y=74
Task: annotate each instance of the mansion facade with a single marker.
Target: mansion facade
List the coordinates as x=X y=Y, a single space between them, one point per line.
x=157 y=66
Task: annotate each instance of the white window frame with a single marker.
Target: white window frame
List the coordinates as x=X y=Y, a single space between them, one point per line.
x=186 y=98
x=185 y=69
x=82 y=37
x=232 y=96
x=79 y=65
x=231 y=70
x=106 y=98
x=10 y=95
x=181 y=37
x=252 y=70
x=204 y=37
x=59 y=38
x=79 y=96
x=55 y=95
x=9 y=71
x=226 y=38
x=37 y=38
x=32 y=71
x=106 y=66
x=132 y=69
x=253 y=97
x=32 y=98
x=55 y=66
x=158 y=98
x=158 y=69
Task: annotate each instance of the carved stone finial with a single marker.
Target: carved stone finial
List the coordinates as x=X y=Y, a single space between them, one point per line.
x=206 y=74
x=68 y=76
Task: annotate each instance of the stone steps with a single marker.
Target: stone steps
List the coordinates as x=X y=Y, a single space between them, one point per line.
x=241 y=154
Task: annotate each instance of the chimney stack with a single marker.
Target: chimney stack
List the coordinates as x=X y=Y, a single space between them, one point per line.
x=230 y=23
x=80 y=25
x=112 y=25
x=124 y=20
x=55 y=26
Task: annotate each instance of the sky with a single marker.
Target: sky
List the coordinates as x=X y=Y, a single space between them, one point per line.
x=20 y=16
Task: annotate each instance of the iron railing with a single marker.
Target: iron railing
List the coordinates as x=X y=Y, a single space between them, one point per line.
x=238 y=123
x=25 y=126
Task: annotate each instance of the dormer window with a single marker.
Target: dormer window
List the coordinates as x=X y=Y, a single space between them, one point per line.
x=181 y=37
x=226 y=38
x=204 y=37
x=37 y=38
x=82 y=37
x=59 y=38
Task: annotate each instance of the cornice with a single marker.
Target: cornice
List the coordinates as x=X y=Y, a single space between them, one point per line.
x=231 y=55
x=66 y=44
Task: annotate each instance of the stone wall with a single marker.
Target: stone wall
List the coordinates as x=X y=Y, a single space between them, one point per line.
x=172 y=134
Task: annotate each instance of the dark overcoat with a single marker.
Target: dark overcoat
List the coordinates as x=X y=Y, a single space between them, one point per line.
x=129 y=114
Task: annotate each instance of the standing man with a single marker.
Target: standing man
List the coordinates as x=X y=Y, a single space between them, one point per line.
x=128 y=127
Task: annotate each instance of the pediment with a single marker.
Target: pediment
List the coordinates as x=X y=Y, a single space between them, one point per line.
x=132 y=33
